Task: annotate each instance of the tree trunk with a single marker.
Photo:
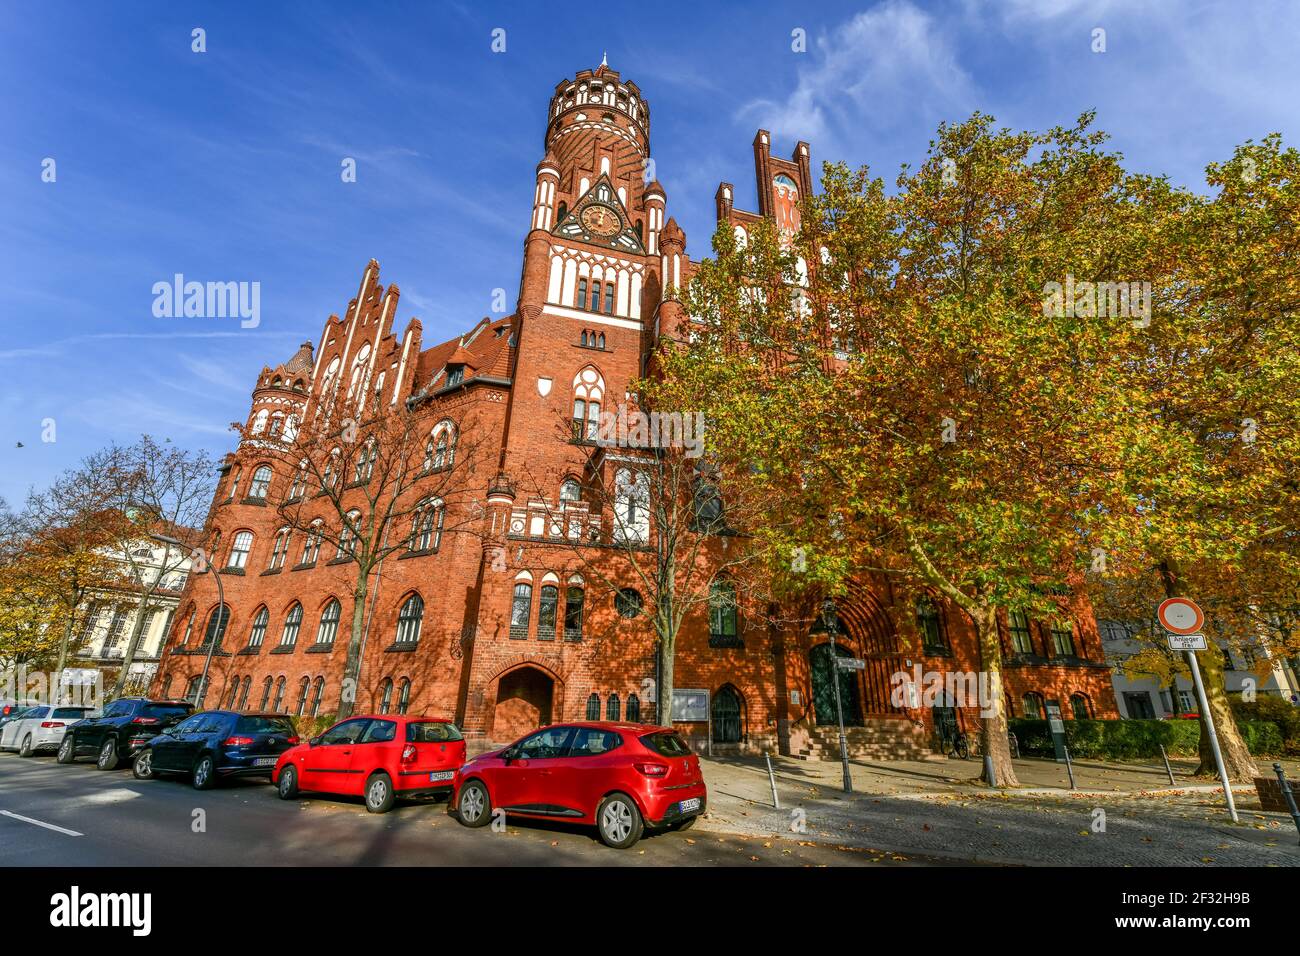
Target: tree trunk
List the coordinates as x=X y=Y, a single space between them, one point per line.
x=993 y=716
x=352 y=666
x=664 y=692
x=1236 y=755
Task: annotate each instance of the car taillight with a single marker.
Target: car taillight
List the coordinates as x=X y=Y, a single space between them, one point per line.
x=53 y=723
x=145 y=720
x=652 y=769
x=237 y=741
x=292 y=740
x=408 y=753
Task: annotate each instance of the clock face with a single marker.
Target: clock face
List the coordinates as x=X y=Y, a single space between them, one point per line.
x=601 y=220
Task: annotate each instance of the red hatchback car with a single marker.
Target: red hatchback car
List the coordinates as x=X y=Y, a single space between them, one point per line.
x=621 y=778
x=379 y=756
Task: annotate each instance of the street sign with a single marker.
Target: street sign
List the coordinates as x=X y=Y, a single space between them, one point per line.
x=850 y=663
x=1180 y=615
x=1186 y=642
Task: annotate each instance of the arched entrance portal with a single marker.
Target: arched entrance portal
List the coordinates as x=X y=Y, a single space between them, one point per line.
x=728 y=716
x=824 y=671
x=524 y=698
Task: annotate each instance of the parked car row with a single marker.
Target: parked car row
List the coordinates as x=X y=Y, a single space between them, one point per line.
x=623 y=779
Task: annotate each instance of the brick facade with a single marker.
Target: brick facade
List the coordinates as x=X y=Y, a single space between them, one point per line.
x=600 y=266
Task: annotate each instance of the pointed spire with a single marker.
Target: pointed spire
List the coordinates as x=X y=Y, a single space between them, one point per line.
x=604 y=58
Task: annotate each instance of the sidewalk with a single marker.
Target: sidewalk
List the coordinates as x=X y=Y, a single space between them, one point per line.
x=939 y=807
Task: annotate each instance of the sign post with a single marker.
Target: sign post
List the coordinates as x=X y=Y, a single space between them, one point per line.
x=1183 y=619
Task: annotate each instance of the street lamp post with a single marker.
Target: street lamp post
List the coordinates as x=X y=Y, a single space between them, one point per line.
x=831 y=623
x=221 y=614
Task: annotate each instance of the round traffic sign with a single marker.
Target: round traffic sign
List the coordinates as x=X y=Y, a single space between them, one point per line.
x=1180 y=615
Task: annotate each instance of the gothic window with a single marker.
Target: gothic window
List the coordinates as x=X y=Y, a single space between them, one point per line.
x=1080 y=706
x=595 y=297
x=266 y=694
x=311 y=550
x=548 y=607
x=243 y=693
x=258 y=632
x=277 y=425
x=404 y=695
x=348 y=535
x=292 y=622
x=600 y=340
x=239 y=549
x=234 y=483
x=593 y=707
x=633 y=709
x=521 y=607
x=588 y=391
x=365 y=466
x=409 y=620
x=1033 y=705
x=318 y=691
x=612 y=707
x=631 y=506
x=299 y=486
x=582 y=296
x=279 y=694
x=356 y=388
x=573 y=601
x=440 y=453
x=386 y=695
x=722 y=614
x=329 y=623
x=327 y=382
x=259 y=421
x=570 y=490
x=707 y=507
x=609 y=298
x=426 y=525
x=261 y=483
x=304 y=687
x=216 y=628
x=279 y=549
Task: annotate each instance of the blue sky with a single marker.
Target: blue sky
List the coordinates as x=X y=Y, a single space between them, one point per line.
x=225 y=165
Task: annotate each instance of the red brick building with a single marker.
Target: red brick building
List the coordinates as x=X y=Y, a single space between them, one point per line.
x=505 y=640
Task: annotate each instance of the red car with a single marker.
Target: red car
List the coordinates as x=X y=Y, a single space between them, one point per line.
x=379 y=756
x=621 y=778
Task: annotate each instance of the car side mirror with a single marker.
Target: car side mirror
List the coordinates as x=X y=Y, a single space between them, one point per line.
x=509 y=754
x=315 y=741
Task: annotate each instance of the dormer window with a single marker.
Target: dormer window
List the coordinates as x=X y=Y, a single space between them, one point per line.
x=455 y=374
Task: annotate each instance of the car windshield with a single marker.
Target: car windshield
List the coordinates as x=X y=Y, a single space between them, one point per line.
x=166 y=711
x=432 y=732
x=264 y=725
x=666 y=743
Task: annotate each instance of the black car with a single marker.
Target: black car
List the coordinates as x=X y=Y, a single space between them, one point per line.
x=128 y=723
x=217 y=743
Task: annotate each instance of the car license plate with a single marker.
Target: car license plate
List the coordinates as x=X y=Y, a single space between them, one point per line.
x=686 y=806
x=264 y=761
x=438 y=775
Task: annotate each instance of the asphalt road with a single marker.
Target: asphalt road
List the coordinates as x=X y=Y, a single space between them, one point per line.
x=53 y=815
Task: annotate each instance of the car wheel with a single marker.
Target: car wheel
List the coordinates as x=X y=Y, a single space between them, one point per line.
x=287 y=786
x=108 y=755
x=472 y=805
x=205 y=773
x=379 y=793
x=619 y=821
x=66 y=752
x=26 y=749
x=143 y=766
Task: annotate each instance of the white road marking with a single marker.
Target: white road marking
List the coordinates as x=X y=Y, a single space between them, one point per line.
x=48 y=826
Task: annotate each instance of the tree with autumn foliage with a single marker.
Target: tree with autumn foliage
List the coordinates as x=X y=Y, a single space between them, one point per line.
x=895 y=372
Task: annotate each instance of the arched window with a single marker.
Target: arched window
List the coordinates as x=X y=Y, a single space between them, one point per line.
x=348 y=535
x=726 y=715
x=243 y=693
x=234 y=693
x=292 y=621
x=239 y=549
x=409 y=620
x=426 y=525
x=279 y=694
x=404 y=695
x=299 y=486
x=584 y=338
x=582 y=293
x=311 y=548
x=266 y=694
x=279 y=549
x=328 y=380
x=573 y=600
x=593 y=707
x=612 y=707
x=329 y=624
x=386 y=695
x=609 y=298
x=723 y=631
x=318 y=690
x=261 y=483
x=233 y=488
x=628 y=603
x=1081 y=706
x=365 y=466
x=631 y=506
x=216 y=628
x=1033 y=705
x=167 y=686
x=595 y=297
x=548 y=607
x=259 y=421
x=356 y=386
x=570 y=490
x=588 y=392
x=443 y=442
x=633 y=709
x=304 y=688
x=258 y=632
x=521 y=608
x=277 y=425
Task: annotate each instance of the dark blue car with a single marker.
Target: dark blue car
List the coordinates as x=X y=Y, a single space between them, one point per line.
x=217 y=743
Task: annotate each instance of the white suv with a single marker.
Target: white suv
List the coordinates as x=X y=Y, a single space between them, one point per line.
x=41 y=728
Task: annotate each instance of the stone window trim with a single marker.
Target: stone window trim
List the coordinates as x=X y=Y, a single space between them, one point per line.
x=423 y=553
x=250 y=650
x=318 y=648
x=303 y=567
x=341 y=559
x=402 y=647
x=273 y=571
x=282 y=649
x=238 y=572
x=256 y=502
